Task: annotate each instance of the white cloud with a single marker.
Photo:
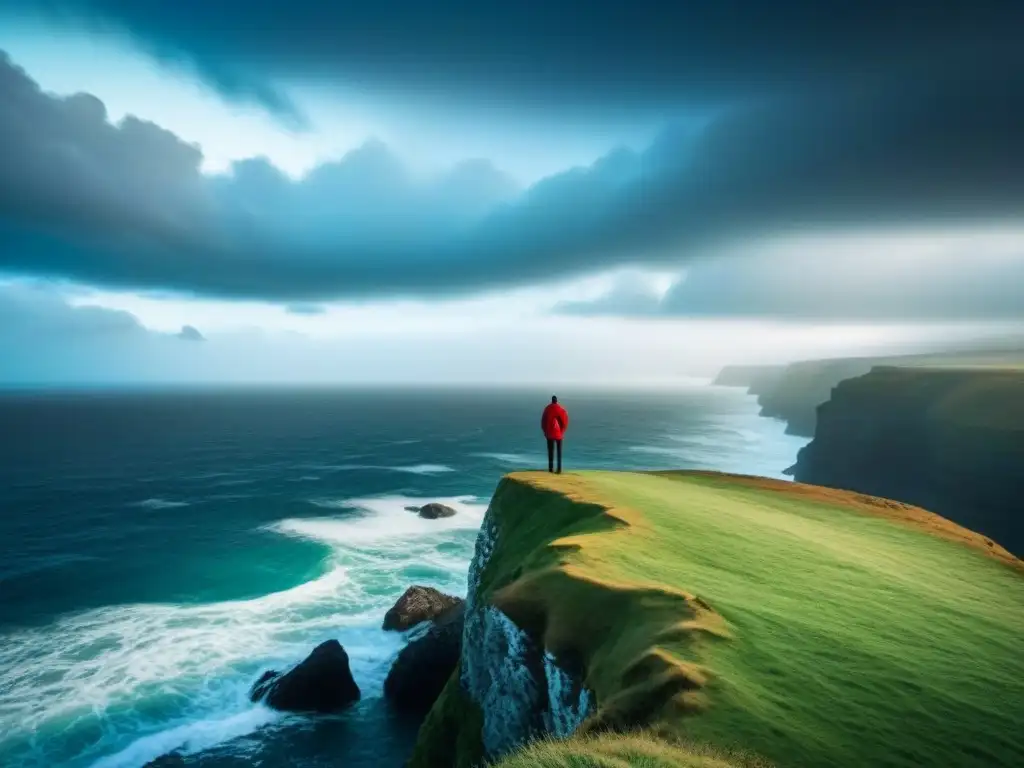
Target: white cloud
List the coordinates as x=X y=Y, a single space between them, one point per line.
x=509 y=338
x=899 y=276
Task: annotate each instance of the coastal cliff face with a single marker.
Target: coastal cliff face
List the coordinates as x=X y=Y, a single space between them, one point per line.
x=508 y=689
x=795 y=394
x=949 y=440
x=519 y=688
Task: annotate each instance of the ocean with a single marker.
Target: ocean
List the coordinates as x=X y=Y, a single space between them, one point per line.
x=160 y=549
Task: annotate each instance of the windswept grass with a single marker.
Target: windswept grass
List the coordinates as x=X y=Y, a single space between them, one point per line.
x=808 y=628
x=627 y=750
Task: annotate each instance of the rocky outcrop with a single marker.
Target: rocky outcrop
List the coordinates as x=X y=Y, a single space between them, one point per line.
x=170 y=760
x=511 y=688
x=416 y=605
x=520 y=689
x=433 y=511
x=948 y=440
x=321 y=683
x=423 y=667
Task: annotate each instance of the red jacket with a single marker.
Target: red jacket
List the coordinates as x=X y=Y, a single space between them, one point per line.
x=554 y=421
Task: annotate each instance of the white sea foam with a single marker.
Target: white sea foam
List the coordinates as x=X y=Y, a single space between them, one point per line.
x=414 y=469
x=424 y=469
x=324 y=504
x=384 y=518
x=177 y=676
x=189 y=738
x=160 y=504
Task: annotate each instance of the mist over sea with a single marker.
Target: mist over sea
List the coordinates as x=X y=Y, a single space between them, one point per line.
x=158 y=550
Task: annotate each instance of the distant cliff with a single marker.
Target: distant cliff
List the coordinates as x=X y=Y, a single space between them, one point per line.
x=793 y=392
x=753 y=377
x=950 y=440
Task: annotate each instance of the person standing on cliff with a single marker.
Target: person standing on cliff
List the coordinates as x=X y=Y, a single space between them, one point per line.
x=553 y=422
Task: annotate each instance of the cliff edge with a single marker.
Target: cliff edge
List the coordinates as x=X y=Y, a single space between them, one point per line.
x=949 y=439
x=732 y=620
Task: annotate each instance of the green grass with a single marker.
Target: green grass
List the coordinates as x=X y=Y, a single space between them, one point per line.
x=629 y=750
x=991 y=398
x=809 y=628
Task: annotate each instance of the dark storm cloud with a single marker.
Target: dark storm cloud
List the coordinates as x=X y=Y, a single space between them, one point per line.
x=50 y=143
x=589 y=56
x=126 y=205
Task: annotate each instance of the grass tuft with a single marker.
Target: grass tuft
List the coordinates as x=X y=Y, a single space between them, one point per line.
x=627 y=750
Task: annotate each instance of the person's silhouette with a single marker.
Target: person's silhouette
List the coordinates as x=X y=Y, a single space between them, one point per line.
x=554 y=422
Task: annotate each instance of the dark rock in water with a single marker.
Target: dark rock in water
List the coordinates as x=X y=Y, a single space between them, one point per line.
x=171 y=760
x=261 y=686
x=321 y=683
x=418 y=604
x=423 y=667
x=413 y=508
x=434 y=510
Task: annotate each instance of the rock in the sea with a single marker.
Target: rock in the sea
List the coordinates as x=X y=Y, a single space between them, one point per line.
x=170 y=760
x=433 y=510
x=321 y=683
x=423 y=667
x=261 y=686
x=418 y=604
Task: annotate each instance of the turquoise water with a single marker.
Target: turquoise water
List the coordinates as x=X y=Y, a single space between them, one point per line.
x=159 y=550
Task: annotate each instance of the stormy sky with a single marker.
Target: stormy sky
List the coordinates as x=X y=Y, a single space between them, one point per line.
x=566 y=171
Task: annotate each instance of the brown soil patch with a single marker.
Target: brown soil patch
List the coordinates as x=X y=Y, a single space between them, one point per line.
x=907 y=514
x=576 y=488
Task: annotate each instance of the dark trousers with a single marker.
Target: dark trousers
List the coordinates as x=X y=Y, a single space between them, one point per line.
x=551 y=454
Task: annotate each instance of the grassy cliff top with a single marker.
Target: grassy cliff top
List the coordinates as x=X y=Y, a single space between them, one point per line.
x=802 y=625
x=975 y=396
